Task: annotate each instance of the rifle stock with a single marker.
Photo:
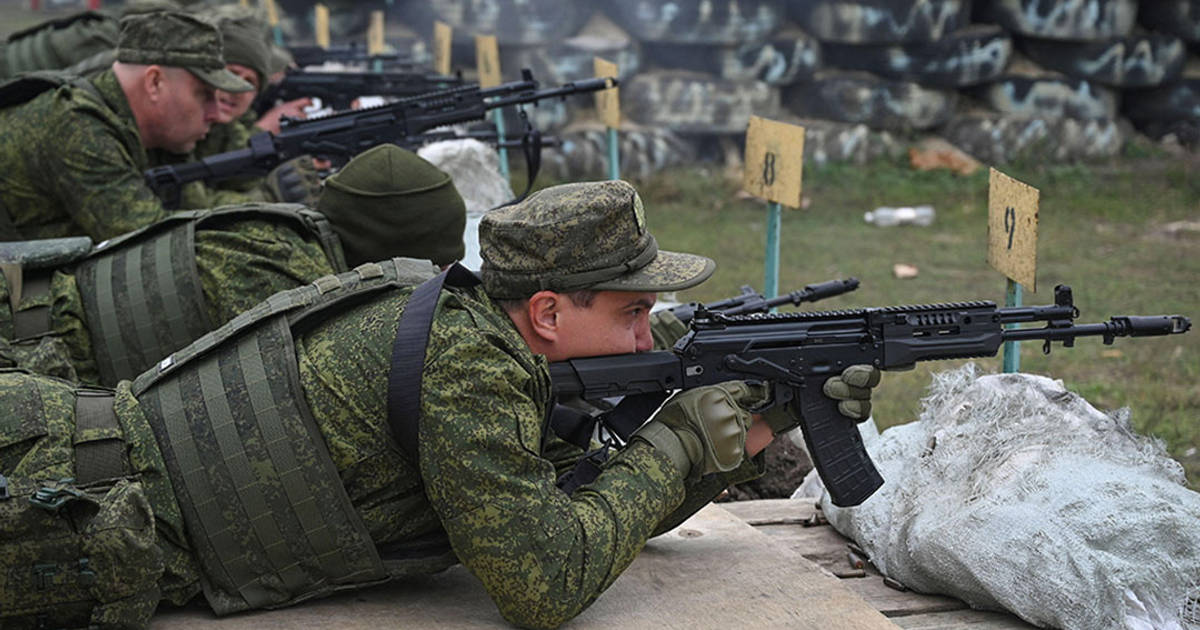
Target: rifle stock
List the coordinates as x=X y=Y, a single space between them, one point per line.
x=798 y=352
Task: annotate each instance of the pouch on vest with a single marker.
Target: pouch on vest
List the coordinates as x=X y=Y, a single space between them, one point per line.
x=76 y=557
x=142 y=294
x=265 y=510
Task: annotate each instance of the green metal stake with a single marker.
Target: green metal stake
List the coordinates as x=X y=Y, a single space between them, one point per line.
x=498 y=117
x=278 y=30
x=774 y=225
x=1012 y=349
x=614 y=155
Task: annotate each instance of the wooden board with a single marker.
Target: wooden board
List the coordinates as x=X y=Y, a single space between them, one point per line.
x=1013 y=229
x=442 y=35
x=321 y=24
x=608 y=102
x=774 y=161
x=487 y=60
x=783 y=520
x=713 y=571
x=375 y=40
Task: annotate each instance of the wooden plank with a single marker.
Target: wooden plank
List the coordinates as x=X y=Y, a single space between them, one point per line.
x=1013 y=229
x=774 y=161
x=712 y=571
x=972 y=619
x=894 y=603
x=773 y=511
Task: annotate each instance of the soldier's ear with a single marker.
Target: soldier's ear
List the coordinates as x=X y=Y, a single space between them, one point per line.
x=543 y=309
x=154 y=82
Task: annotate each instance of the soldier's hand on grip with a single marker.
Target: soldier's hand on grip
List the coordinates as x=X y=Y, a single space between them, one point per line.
x=703 y=430
x=853 y=389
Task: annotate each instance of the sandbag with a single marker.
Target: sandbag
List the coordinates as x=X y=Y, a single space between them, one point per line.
x=1013 y=493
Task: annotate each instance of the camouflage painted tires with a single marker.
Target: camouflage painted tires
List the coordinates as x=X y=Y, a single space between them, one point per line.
x=1156 y=110
x=782 y=60
x=1144 y=60
x=998 y=139
x=1177 y=17
x=695 y=103
x=1049 y=97
x=513 y=22
x=1075 y=20
x=729 y=22
x=968 y=56
x=858 y=97
x=880 y=21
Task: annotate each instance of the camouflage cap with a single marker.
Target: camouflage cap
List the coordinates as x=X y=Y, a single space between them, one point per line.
x=172 y=38
x=590 y=235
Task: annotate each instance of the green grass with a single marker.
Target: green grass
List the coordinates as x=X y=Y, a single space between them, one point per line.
x=1101 y=231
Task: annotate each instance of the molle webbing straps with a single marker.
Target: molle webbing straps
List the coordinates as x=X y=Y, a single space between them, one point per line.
x=264 y=505
x=99 y=449
x=262 y=500
x=408 y=356
x=143 y=301
x=35 y=320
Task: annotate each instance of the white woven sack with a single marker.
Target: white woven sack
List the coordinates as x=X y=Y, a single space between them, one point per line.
x=1013 y=493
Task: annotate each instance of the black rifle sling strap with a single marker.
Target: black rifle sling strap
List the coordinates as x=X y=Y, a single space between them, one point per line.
x=531 y=147
x=408 y=356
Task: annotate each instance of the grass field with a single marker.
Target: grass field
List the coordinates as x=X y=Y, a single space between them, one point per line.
x=1106 y=230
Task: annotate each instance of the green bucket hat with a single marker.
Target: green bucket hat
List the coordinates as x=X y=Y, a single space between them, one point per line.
x=389 y=202
x=172 y=38
x=590 y=235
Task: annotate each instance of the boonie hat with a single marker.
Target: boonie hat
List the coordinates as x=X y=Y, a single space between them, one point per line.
x=589 y=235
x=172 y=38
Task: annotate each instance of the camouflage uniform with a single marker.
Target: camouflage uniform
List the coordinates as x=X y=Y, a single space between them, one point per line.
x=487 y=466
x=72 y=159
x=385 y=202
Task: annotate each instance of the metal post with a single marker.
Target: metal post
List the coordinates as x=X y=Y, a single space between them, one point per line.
x=614 y=155
x=278 y=30
x=498 y=117
x=1012 y=349
x=774 y=225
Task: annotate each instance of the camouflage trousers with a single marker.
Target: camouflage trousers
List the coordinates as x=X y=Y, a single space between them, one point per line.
x=101 y=553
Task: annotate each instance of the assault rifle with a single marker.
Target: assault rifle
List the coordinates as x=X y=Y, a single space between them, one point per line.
x=342 y=135
x=338 y=90
x=797 y=352
x=751 y=301
x=486 y=136
x=345 y=53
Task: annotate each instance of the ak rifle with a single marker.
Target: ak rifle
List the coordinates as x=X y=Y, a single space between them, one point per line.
x=797 y=352
x=345 y=53
x=337 y=90
x=342 y=135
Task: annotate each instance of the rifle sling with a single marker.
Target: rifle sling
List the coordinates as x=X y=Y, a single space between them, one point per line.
x=408 y=356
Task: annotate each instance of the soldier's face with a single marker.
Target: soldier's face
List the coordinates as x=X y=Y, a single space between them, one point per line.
x=191 y=108
x=231 y=106
x=616 y=322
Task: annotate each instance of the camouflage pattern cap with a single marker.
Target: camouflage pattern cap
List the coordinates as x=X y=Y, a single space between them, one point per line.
x=172 y=38
x=590 y=235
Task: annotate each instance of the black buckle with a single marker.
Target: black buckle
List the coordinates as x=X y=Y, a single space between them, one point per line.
x=53 y=497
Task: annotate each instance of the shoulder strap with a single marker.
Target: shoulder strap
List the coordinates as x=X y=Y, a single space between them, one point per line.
x=408 y=356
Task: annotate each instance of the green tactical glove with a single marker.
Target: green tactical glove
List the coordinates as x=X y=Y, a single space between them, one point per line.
x=666 y=329
x=852 y=388
x=295 y=181
x=703 y=430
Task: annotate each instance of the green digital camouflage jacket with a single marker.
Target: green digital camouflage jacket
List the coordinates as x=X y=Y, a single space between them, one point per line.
x=487 y=467
x=240 y=263
x=72 y=163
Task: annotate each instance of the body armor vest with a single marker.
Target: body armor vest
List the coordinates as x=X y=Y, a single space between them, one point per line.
x=142 y=294
x=268 y=517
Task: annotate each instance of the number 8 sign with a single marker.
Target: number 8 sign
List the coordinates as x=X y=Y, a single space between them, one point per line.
x=774 y=167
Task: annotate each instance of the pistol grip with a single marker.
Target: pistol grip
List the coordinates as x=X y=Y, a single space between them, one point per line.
x=835 y=445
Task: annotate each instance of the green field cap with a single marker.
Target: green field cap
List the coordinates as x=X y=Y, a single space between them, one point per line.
x=172 y=38
x=589 y=235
